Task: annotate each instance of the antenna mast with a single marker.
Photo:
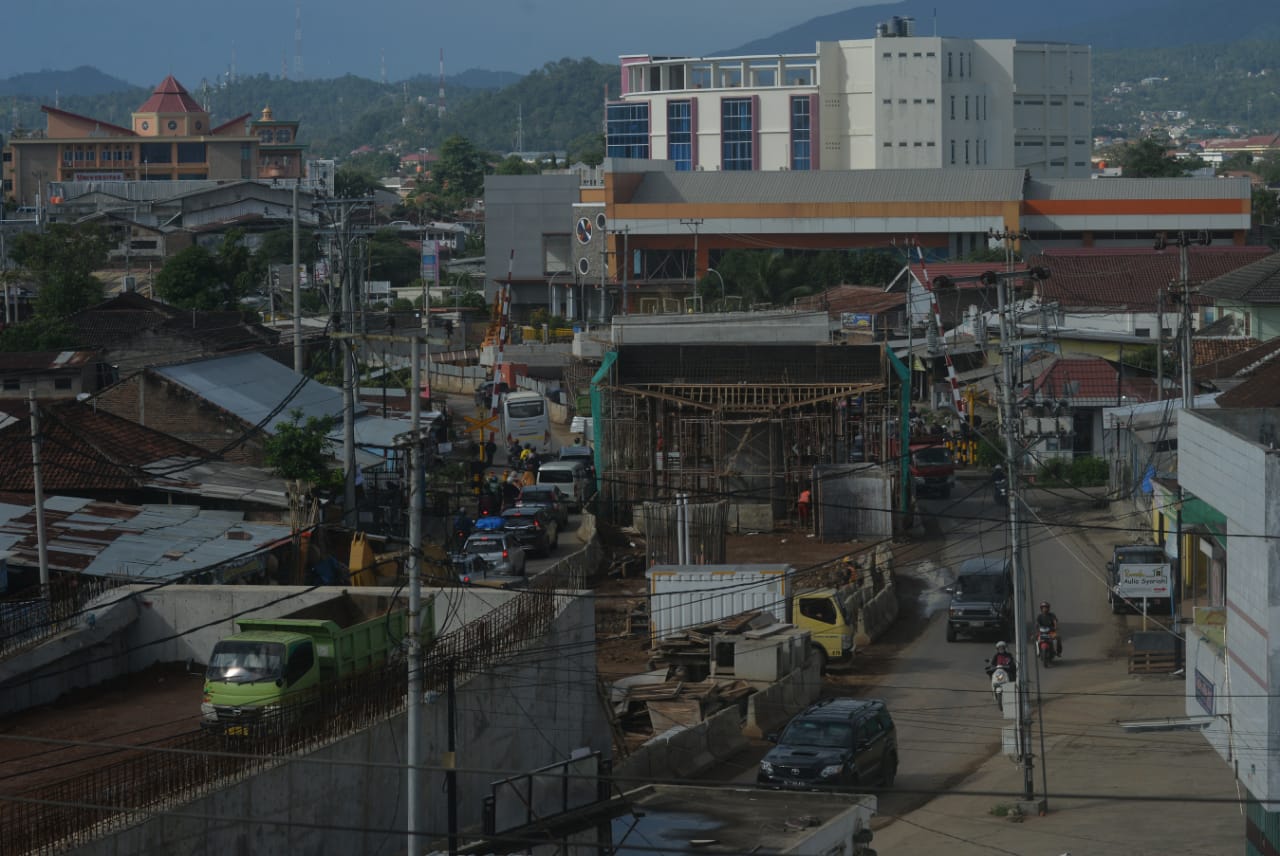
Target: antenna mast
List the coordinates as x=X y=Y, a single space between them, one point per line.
x=440 y=97
x=297 y=40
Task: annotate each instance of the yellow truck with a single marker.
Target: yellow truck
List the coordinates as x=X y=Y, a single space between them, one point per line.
x=683 y=596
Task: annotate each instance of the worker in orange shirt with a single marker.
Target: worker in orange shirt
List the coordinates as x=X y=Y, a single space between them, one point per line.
x=802 y=505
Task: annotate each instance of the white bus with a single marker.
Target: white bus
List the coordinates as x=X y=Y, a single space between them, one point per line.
x=525 y=421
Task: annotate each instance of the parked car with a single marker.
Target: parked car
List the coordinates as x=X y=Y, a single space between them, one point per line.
x=579 y=454
x=836 y=742
x=570 y=479
x=533 y=527
x=981 y=598
x=500 y=550
x=546 y=496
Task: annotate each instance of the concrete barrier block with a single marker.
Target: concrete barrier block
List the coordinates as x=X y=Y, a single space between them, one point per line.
x=724 y=734
x=687 y=752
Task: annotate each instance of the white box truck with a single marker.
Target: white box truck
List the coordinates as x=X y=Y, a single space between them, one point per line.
x=684 y=596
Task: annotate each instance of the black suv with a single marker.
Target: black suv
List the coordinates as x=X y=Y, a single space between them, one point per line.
x=981 y=598
x=835 y=743
x=533 y=527
x=546 y=496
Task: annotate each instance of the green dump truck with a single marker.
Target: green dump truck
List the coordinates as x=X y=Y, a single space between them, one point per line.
x=269 y=671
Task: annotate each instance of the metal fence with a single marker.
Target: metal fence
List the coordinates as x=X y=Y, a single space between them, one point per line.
x=132 y=783
x=42 y=612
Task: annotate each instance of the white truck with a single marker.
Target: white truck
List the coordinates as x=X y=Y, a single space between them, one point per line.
x=1139 y=577
x=684 y=596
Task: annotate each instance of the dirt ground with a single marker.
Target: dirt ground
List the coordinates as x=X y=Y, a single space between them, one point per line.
x=147 y=707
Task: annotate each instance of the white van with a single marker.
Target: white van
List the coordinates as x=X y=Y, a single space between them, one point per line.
x=569 y=478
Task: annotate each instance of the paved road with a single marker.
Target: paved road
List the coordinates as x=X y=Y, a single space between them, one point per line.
x=950 y=729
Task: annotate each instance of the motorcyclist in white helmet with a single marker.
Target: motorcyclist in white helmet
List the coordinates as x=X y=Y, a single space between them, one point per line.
x=1002 y=659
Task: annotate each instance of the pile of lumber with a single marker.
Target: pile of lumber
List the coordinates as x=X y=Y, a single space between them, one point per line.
x=681 y=702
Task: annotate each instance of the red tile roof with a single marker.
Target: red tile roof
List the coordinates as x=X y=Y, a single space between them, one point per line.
x=1239 y=363
x=170 y=97
x=957 y=270
x=87 y=449
x=1204 y=351
x=854 y=298
x=1129 y=277
x=1089 y=382
x=1260 y=390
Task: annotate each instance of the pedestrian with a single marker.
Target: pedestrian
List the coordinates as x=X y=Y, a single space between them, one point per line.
x=490 y=451
x=802 y=505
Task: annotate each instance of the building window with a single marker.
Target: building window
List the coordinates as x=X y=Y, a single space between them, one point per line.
x=680 y=134
x=801 y=133
x=929 y=101
x=966 y=151
x=962 y=63
x=191 y=153
x=736 y=134
x=66 y=157
x=265 y=136
x=62 y=383
x=283 y=135
x=1142 y=332
x=966 y=108
x=953 y=106
x=12 y=384
x=953 y=151
x=154 y=153
x=949 y=64
x=627 y=130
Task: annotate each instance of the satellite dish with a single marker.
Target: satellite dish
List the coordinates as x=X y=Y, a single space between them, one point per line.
x=584 y=266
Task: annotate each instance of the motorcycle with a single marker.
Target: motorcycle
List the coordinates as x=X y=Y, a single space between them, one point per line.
x=999 y=678
x=1046 y=645
x=999 y=487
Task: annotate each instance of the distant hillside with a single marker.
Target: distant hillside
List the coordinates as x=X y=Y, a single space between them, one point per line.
x=1154 y=24
x=82 y=81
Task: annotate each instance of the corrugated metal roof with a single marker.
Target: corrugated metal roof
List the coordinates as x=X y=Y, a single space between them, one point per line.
x=867 y=185
x=252 y=385
x=141 y=542
x=1090 y=189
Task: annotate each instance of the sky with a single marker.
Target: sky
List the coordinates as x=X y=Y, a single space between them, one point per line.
x=197 y=40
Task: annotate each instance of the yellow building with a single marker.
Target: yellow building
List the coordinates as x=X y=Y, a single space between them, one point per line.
x=170 y=138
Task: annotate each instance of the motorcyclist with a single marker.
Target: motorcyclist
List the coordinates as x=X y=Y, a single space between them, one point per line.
x=1047 y=620
x=1002 y=659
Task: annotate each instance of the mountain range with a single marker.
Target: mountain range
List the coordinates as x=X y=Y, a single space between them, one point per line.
x=1101 y=23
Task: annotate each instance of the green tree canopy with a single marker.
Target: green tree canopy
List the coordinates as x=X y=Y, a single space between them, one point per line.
x=62 y=260
x=298 y=449
x=1149 y=159
x=352 y=183
x=38 y=334
x=192 y=279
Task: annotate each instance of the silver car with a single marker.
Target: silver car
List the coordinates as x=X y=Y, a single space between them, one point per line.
x=499 y=550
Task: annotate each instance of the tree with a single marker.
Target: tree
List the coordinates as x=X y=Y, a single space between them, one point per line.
x=38 y=334
x=350 y=183
x=1149 y=159
x=193 y=279
x=1266 y=207
x=515 y=165
x=587 y=148
x=391 y=259
x=298 y=450
x=61 y=260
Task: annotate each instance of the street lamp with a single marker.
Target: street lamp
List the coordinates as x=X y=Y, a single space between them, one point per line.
x=723 y=296
x=551 y=291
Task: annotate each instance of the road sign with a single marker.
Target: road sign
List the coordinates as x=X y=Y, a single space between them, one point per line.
x=480 y=424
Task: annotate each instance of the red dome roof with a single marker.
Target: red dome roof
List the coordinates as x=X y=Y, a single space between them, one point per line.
x=170 y=97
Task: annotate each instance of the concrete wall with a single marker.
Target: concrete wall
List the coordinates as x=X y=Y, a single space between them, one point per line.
x=129 y=629
x=340 y=799
x=769 y=709
x=1224 y=459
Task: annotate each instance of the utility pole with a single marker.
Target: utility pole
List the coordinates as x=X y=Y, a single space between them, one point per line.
x=1160 y=344
x=693 y=222
x=42 y=541
x=413 y=717
x=1183 y=241
x=297 y=288
x=1009 y=418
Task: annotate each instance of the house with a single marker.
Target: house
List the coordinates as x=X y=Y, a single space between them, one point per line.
x=1070 y=395
x=860 y=310
x=1125 y=291
x=1227 y=372
x=1250 y=294
x=131 y=332
x=52 y=374
x=92 y=453
x=1229 y=461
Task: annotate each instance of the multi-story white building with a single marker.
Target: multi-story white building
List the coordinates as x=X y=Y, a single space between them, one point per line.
x=889 y=102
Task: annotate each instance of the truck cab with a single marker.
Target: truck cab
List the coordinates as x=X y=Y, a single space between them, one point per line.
x=933 y=469
x=829 y=617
